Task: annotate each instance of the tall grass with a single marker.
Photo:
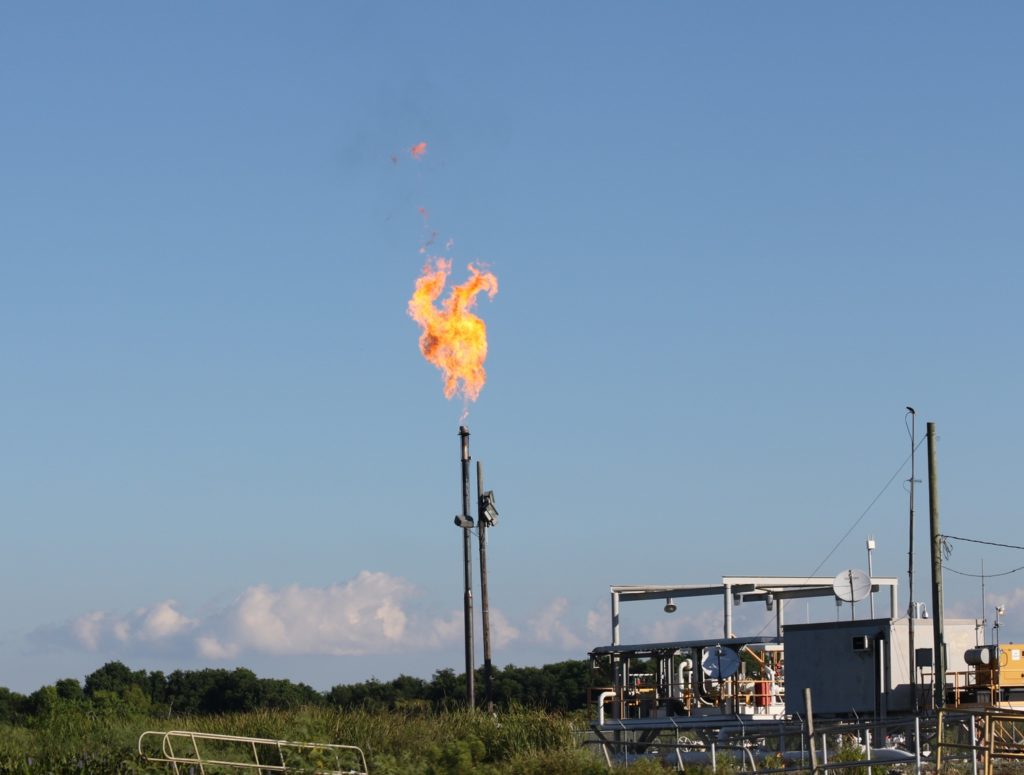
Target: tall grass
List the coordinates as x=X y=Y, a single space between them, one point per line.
x=413 y=742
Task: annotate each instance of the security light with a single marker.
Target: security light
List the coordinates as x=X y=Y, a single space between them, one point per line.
x=488 y=511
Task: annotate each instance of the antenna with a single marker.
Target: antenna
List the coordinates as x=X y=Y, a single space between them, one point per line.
x=910 y=561
x=984 y=620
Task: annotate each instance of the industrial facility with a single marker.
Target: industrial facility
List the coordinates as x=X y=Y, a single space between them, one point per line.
x=694 y=700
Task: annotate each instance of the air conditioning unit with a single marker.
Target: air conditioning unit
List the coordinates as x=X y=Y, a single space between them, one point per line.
x=861 y=643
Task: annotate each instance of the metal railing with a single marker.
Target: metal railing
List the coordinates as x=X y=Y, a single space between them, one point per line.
x=988 y=734
x=209 y=754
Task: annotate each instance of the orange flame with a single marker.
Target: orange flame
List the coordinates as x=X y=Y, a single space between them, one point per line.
x=453 y=338
x=418 y=150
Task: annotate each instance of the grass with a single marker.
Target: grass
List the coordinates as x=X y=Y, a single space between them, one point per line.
x=414 y=742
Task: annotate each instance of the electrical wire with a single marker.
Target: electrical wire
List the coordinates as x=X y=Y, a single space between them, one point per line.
x=865 y=512
x=856 y=521
x=979 y=541
x=982 y=575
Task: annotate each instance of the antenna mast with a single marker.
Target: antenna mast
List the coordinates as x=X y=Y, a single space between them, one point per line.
x=912 y=609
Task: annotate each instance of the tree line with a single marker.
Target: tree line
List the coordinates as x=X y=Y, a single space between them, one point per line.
x=115 y=688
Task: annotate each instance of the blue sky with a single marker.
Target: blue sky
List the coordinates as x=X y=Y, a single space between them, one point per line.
x=733 y=241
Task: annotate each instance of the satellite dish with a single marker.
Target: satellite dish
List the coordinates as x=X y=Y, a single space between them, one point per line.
x=851 y=585
x=719 y=662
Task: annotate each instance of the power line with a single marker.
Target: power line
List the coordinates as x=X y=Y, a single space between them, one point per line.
x=979 y=541
x=982 y=575
x=865 y=512
x=858 y=520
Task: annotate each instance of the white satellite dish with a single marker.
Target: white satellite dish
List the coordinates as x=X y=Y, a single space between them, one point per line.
x=851 y=585
x=719 y=662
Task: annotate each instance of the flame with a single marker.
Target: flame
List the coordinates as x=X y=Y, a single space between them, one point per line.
x=453 y=338
x=418 y=150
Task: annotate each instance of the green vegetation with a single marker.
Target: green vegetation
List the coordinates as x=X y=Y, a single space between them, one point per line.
x=559 y=687
x=404 y=726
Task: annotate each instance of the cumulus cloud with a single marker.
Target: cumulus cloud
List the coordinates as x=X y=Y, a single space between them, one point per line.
x=97 y=630
x=447 y=630
x=502 y=631
x=364 y=615
x=1012 y=599
x=162 y=621
x=548 y=627
x=371 y=613
x=598 y=621
x=88 y=629
x=699 y=624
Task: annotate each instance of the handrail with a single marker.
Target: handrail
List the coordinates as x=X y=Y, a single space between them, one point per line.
x=352 y=754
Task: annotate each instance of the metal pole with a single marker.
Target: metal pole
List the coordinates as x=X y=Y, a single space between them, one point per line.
x=937 y=621
x=867 y=746
x=917 y=745
x=810 y=730
x=467 y=558
x=871 y=575
x=485 y=614
x=911 y=611
x=727 y=610
x=974 y=745
x=615 y=618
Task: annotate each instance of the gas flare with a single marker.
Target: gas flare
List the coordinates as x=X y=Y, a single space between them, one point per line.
x=453 y=338
x=418 y=150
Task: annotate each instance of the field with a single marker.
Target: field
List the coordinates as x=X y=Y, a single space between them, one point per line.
x=413 y=741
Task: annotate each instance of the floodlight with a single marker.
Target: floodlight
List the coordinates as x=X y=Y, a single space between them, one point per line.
x=488 y=511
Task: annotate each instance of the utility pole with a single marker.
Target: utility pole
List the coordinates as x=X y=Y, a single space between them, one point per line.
x=939 y=696
x=465 y=521
x=912 y=608
x=484 y=519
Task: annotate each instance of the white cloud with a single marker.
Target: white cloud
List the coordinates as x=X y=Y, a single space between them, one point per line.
x=599 y=621
x=681 y=626
x=502 y=631
x=447 y=630
x=547 y=626
x=1012 y=600
x=96 y=629
x=211 y=648
x=370 y=613
x=364 y=615
x=163 y=621
x=88 y=629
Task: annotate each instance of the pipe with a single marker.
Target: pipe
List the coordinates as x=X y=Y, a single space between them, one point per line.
x=467 y=561
x=601 y=699
x=615 y=618
x=727 y=611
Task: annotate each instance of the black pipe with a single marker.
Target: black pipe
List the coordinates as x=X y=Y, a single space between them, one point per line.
x=467 y=561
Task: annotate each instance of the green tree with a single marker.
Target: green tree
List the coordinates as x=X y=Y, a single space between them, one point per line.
x=114 y=677
x=11 y=705
x=69 y=689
